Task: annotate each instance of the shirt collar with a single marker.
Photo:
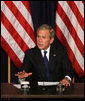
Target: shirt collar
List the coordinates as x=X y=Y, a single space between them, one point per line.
x=48 y=49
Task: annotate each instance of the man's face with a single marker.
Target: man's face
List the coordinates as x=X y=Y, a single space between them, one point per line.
x=43 y=39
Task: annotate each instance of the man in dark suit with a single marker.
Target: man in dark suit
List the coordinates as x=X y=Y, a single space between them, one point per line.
x=60 y=67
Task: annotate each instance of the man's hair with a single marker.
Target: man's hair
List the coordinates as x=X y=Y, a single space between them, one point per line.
x=48 y=27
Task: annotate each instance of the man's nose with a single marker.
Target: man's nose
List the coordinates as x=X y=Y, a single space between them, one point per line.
x=40 y=39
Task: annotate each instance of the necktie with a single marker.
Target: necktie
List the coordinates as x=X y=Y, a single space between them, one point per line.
x=46 y=64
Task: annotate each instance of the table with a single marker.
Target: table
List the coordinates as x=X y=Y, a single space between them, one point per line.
x=9 y=91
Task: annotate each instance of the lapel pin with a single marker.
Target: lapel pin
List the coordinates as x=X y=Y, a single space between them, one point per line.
x=54 y=54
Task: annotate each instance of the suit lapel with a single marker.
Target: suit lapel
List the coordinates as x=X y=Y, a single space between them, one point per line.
x=52 y=59
x=41 y=63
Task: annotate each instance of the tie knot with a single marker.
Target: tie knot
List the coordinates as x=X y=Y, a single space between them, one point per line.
x=45 y=52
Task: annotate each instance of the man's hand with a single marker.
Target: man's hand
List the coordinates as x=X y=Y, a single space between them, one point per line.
x=23 y=74
x=65 y=81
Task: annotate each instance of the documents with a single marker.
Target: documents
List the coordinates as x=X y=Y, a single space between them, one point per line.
x=47 y=83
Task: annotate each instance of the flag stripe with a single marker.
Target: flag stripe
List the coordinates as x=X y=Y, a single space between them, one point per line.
x=18 y=27
x=71 y=29
x=72 y=19
x=15 y=36
x=10 y=52
x=21 y=19
x=80 y=6
x=14 y=46
x=71 y=55
x=26 y=3
x=22 y=10
x=83 y=2
x=70 y=40
x=75 y=10
x=17 y=32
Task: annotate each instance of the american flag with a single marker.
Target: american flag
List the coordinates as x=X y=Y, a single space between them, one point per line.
x=17 y=33
x=70 y=31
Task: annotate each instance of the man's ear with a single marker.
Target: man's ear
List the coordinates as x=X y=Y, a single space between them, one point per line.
x=51 y=41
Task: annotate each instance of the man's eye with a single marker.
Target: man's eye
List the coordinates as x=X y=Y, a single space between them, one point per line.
x=43 y=37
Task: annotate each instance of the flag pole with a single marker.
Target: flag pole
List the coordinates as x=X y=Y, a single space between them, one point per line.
x=9 y=70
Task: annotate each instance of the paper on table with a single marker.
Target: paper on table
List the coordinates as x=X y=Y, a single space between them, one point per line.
x=21 y=83
x=17 y=85
x=47 y=83
x=24 y=82
x=39 y=84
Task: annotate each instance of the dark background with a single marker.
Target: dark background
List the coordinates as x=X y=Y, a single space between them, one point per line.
x=42 y=12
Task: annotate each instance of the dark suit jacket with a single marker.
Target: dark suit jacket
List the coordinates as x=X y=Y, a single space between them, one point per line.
x=60 y=65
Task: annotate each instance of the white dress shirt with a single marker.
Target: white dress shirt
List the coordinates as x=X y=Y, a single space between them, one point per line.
x=48 y=52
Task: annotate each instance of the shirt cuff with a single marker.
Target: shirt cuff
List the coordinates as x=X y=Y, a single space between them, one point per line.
x=68 y=78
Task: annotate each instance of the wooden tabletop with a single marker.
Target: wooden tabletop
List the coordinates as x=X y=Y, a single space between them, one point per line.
x=9 y=91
